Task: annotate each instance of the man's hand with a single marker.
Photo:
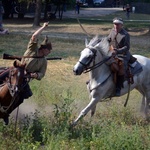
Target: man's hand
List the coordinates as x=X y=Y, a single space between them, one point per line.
x=114 y=53
x=45 y=24
x=34 y=75
x=116 y=50
x=38 y=32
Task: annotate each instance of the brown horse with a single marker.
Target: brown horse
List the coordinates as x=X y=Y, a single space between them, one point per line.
x=10 y=89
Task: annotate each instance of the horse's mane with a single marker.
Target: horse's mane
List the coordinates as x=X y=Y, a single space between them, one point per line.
x=100 y=44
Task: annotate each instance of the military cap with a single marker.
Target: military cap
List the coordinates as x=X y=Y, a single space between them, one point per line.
x=118 y=20
x=46 y=44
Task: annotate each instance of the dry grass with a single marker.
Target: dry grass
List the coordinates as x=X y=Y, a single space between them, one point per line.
x=73 y=29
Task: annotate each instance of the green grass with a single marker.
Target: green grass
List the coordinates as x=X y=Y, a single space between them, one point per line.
x=60 y=96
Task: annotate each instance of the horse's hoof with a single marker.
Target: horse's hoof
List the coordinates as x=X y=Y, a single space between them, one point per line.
x=73 y=124
x=6 y=120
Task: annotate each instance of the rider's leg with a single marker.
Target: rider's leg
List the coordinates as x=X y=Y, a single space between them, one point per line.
x=120 y=78
x=119 y=84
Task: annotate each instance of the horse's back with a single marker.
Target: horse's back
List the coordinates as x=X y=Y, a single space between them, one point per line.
x=143 y=77
x=144 y=61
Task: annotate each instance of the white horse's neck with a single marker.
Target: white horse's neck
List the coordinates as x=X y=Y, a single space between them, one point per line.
x=102 y=51
x=101 y=73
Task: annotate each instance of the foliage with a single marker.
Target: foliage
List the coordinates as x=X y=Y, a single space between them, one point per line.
x=117 y=129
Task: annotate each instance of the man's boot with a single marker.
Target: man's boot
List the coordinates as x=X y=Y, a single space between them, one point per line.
x=119 y=84
x=6 y=119
x=118 y=91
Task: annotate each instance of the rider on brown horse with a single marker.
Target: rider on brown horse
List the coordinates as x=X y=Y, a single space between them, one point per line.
x=36 y=67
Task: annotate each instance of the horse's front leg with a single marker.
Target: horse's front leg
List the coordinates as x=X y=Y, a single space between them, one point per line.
x=90 y=106
x=145 y=105
x=90 y=97
x=147 y=108
x=93 y=111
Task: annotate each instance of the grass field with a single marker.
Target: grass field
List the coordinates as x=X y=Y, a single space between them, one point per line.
x=44 y=118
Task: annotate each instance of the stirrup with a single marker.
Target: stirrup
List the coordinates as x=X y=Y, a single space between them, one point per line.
x=133 y=64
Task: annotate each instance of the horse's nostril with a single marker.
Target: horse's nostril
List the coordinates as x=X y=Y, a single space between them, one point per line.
x=75 y=71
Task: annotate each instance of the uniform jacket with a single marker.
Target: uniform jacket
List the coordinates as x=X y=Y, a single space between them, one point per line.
x=121 y=42
x=38 y=65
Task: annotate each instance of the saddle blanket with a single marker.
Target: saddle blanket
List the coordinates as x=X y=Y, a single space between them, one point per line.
x=136 y=68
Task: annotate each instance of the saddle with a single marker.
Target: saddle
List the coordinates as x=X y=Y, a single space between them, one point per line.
x=118 y=69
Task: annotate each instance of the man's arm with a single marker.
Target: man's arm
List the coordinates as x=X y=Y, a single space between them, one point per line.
x=38 y=32
x=41 y=73
x=126 y=46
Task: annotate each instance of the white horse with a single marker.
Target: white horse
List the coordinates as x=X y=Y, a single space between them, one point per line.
x=93 y=58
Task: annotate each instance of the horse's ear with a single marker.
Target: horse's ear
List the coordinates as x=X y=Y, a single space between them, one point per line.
x=17 y=63
x=86 y=42
x=24 y=64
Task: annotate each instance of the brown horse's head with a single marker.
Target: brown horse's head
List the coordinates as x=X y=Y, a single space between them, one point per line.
x=9 y=93
x=16 y=77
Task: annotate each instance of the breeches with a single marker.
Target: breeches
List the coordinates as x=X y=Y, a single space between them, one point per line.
x=118 y=67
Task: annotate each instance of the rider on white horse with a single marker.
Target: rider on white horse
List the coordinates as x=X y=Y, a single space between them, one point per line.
x=120 y=44
x=95 y=58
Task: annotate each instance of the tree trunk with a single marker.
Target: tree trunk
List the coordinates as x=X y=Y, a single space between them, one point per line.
x=37 y=16
x=46 y=9
x=60 y=8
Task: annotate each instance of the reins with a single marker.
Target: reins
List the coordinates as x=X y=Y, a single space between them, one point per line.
x=96 y=65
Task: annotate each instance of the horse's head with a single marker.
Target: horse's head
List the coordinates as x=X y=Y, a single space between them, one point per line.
x=16 y=77
x=97 y=48
x=86 y=58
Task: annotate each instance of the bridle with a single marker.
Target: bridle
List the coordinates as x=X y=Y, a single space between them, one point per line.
x=94 y=66
x=90 y=60
x=13 y=87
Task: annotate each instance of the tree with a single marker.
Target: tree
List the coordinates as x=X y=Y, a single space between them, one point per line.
x=37 y=16
x=46 y=9
x=60 y=6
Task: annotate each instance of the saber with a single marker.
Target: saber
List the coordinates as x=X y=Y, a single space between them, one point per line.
x=12 y=57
